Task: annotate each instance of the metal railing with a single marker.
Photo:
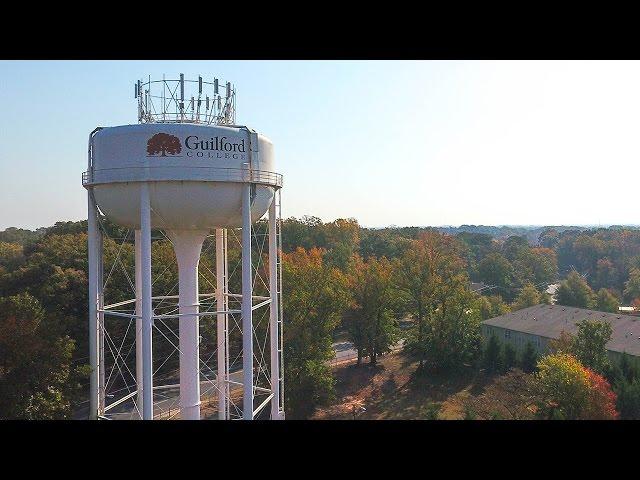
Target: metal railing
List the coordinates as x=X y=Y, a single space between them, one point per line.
x=354 y=356
x=175 y=173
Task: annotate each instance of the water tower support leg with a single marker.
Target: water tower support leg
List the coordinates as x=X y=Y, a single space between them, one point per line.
x=247 y=292
x=147 y=325
x=92 y=247
x=102 y=393
x=274 y=335
x=187 y=245
x=222 y=304
x=138 y=260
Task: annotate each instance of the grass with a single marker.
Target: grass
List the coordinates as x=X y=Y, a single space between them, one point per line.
x=392 y=390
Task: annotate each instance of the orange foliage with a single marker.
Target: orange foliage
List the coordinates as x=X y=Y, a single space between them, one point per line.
x=602 y=400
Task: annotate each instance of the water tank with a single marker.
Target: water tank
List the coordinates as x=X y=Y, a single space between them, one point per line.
x=194 y=172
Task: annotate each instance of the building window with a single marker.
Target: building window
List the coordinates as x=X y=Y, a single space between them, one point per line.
x=507 y=334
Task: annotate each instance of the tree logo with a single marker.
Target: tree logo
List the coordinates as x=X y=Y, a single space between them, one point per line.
x=163 y=144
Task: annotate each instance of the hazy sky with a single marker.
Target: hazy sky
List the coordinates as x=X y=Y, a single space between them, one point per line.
x=389 y=142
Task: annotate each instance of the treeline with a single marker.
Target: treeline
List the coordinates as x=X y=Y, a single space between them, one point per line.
x=337 y=276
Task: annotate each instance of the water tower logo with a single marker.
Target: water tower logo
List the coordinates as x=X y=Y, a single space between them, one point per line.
x=162 y=144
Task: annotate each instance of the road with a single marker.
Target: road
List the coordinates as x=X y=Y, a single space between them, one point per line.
x=166 y=399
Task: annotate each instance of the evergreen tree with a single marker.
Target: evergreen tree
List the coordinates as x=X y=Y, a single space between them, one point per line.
x=628 y=403
x=509 y=356
x=492 y=357
x=628 y=369
x=529 y=358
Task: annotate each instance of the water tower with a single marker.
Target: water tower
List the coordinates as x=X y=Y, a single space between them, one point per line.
x=187 y=171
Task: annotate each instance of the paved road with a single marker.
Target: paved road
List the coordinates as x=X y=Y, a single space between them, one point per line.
x=345 y=351
x=166 y=400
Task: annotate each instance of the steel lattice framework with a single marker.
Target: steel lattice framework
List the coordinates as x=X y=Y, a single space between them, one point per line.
x=134 y=343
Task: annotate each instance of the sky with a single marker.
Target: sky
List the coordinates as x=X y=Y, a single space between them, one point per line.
x=407 y=143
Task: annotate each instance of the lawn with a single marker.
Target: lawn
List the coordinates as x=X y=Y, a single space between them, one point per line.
x=391 y=390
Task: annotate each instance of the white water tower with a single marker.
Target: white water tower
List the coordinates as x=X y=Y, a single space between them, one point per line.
x=187 y=170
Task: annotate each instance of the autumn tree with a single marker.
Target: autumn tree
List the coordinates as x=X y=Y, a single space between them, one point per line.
x=431 y=275
x=570 y=391
x=606 y=275
x=372 y=328
x=11 y=256
x=563 y=344
x=563 y=386
x=316 y=298
x=575 y=292
x=602 y=399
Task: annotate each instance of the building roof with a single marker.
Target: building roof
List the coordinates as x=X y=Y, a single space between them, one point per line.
x=550 y=320
x=477 y=286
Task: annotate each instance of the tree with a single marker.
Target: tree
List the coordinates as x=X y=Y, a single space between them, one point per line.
x=549 y=238
x=491 y=306
x=431 y=276
x=163 y=143
x=602 y=400
x=342 y=238
x=452 y=332
x=509 y=356
x=628 y=399
x=372 y=328
x=606 y=301
x=537 y=266
x=513 y=246
x=570 y=391
x=606 y=274
x=632 y=286
x=563 y=386
x=528 y=297
x=589 y=344
x=575 y=292
x=492 y=355
x=34 y=363
x=316 y=298
x=495 y=269
x=628 y=368
x=529 y=358
x=562 y=344
x=11 y=255
x=512 y=396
